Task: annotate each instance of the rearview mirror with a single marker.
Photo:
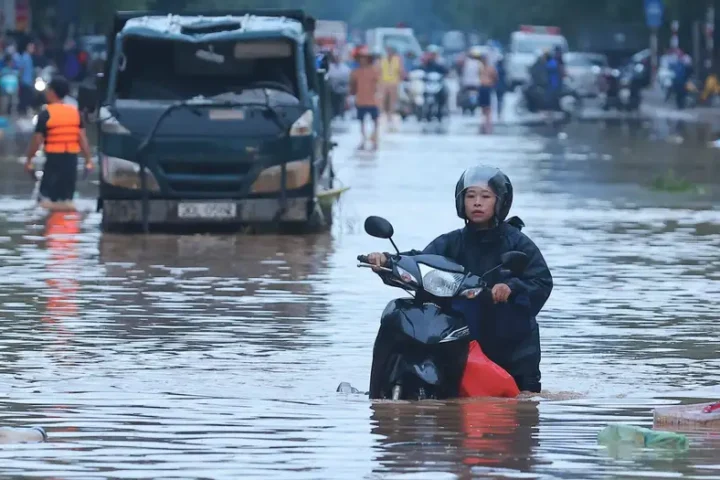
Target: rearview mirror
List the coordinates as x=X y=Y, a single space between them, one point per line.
x=378 y=227
x=514 y=261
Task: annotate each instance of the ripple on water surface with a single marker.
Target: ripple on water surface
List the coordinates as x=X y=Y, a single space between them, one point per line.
x=218 y=356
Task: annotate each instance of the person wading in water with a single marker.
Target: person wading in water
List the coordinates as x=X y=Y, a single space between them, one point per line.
x=364 y=85
x=488 y=79
x=61 y=129
x=392 y=73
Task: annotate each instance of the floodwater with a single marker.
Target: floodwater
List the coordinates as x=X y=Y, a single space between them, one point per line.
x=218 y=356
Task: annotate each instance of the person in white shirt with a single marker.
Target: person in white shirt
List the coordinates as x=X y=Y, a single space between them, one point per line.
x=470 y=78
x=339 y=80
x=471 y=69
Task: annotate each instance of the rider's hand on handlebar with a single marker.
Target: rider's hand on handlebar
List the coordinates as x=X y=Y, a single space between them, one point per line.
x=501 y=293
x=378 y=259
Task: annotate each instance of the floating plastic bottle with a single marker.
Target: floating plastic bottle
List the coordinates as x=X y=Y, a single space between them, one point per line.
x=22 y=435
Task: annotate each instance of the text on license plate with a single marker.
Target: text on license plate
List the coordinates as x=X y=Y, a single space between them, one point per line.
x=207 y=210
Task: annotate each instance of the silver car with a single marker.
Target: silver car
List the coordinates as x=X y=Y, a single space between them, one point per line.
x=584 y=71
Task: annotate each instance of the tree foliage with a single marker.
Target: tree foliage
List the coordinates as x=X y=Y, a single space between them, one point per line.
x=496 y=18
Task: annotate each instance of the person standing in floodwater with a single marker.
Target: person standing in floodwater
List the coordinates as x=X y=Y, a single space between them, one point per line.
x=60 y=127
x=26 y=66
x=501 y=85
x=488 y=79
x=364 y=85
x=393 y=72
x=9 y=86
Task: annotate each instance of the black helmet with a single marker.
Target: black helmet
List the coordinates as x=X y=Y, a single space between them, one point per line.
x=481 y=176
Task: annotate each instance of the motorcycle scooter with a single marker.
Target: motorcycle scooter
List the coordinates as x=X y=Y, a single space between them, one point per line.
x=423 y=347
x=411 y=95
x=434 y=88
x=622 y=90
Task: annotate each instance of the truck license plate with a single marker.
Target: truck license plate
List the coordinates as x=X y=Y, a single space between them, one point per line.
x=207 y=210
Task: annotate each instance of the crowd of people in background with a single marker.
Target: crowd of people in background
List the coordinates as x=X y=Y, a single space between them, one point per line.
x=372 y=80
x=21 y=59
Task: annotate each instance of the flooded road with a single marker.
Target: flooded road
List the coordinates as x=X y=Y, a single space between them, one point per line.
x=218 y=356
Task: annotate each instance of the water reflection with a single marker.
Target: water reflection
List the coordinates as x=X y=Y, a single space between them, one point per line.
x=218 y=356
x=62 y=266
x=481 y=435
x=61 y=308
x=258 y=290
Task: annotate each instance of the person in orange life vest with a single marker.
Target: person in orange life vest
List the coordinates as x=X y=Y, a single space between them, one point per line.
x=60 y=127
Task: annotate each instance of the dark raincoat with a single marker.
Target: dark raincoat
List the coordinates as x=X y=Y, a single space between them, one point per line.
x=507 y=332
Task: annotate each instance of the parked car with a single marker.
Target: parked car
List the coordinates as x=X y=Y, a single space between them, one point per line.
x=584 y=72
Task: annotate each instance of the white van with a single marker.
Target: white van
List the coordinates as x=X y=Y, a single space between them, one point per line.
x=401 y=39
x=525 y=45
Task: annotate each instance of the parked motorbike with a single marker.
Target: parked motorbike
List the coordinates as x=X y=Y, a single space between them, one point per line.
x=422 y=347
x=534 y=99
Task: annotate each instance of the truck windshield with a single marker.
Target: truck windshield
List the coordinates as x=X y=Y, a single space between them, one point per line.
x=152 y=69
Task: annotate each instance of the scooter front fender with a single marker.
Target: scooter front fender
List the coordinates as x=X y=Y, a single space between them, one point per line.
x=427 y=323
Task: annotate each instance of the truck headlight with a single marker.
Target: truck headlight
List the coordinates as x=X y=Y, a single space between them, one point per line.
x=303 y=126
x=269 y=180
x=110 y=124
x=126 y=174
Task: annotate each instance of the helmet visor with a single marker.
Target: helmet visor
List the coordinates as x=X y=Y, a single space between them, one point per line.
x=479 y=176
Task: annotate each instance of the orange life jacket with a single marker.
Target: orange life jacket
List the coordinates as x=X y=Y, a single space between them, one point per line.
x=63 y=129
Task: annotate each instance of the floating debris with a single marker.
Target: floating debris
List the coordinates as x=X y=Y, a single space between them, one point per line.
x=641 y=437
x=345 y=387
x=22 y=435
x=704 y=414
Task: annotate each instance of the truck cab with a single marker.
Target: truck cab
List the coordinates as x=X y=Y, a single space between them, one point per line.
x=211 y=119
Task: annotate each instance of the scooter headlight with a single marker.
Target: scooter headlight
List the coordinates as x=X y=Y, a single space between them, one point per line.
x=439 y=282
x=40 y=85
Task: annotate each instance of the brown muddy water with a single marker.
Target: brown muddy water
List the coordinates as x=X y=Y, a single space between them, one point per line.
x=218 y=356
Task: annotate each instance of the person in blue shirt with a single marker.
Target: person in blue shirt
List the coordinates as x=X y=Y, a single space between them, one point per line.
x=681 y=69
x=26 y=66
x=9 y=84
x=554 y=82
